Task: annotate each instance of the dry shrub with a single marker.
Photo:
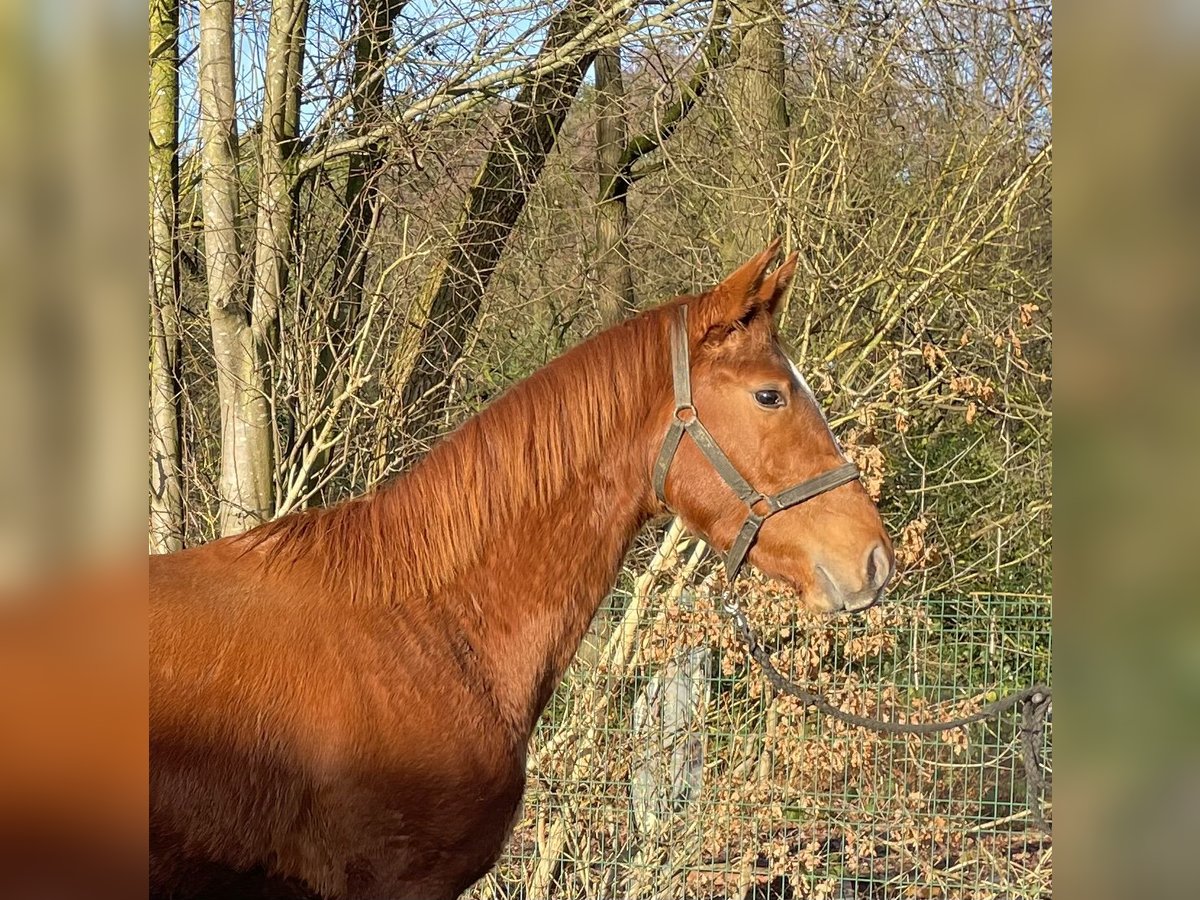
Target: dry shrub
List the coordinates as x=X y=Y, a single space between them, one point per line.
x=835 y=810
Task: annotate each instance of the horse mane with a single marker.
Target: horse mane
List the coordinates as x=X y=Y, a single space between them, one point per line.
x=419 y=531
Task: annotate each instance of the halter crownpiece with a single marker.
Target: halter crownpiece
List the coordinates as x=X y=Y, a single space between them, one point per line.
x=685 y=419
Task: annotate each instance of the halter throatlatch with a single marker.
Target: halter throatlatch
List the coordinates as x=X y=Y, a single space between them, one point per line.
x=684 y=419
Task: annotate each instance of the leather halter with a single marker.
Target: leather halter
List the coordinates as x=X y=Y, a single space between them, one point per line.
x=685 y=419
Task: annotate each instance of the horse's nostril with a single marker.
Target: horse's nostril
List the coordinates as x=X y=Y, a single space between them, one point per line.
x=879 y=567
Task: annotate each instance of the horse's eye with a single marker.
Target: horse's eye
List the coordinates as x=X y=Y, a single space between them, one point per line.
x=769 y=399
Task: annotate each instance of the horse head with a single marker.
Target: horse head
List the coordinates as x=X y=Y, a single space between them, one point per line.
x=776 y=488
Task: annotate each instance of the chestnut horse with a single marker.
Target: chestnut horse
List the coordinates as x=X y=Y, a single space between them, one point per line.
x=341 y=699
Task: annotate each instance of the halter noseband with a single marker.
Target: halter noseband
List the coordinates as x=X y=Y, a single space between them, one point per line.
x=685 y=419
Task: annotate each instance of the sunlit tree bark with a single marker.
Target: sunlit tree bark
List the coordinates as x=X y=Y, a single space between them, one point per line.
x=166 y=495
x=277 y=150
x=246 y=459
x=758 y=130
x=615 y=297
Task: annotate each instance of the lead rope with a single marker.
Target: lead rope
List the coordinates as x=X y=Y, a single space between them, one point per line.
x=1034 y=702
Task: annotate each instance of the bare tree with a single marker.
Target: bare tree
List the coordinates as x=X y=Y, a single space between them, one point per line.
x=245 y=487
x=371 y=46
x=277 y=151
x=454 y=292
x=166 y=493
x=617 y=156
x=615 y=274
x=758 y=129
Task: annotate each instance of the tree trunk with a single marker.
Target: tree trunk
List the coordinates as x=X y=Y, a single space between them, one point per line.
x=453 y=294
x=245 y=482
x=273 y=245
x=618 y=154
x=371 y=45
x=166 y=493
x=758 y=131
x=615 y=298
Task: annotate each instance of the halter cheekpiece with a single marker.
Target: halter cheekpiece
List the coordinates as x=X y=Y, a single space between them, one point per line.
x=685 y=419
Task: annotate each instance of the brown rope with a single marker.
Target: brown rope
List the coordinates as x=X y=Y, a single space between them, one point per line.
x=1034 y=702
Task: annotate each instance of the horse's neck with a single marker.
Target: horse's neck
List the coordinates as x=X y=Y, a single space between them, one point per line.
x=540 y=588
x=555 y=490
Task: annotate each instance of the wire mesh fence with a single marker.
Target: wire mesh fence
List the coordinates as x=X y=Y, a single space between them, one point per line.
x=665 y=767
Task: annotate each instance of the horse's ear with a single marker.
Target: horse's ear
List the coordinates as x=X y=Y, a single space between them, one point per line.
x=749 y=292
x=775 y=286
